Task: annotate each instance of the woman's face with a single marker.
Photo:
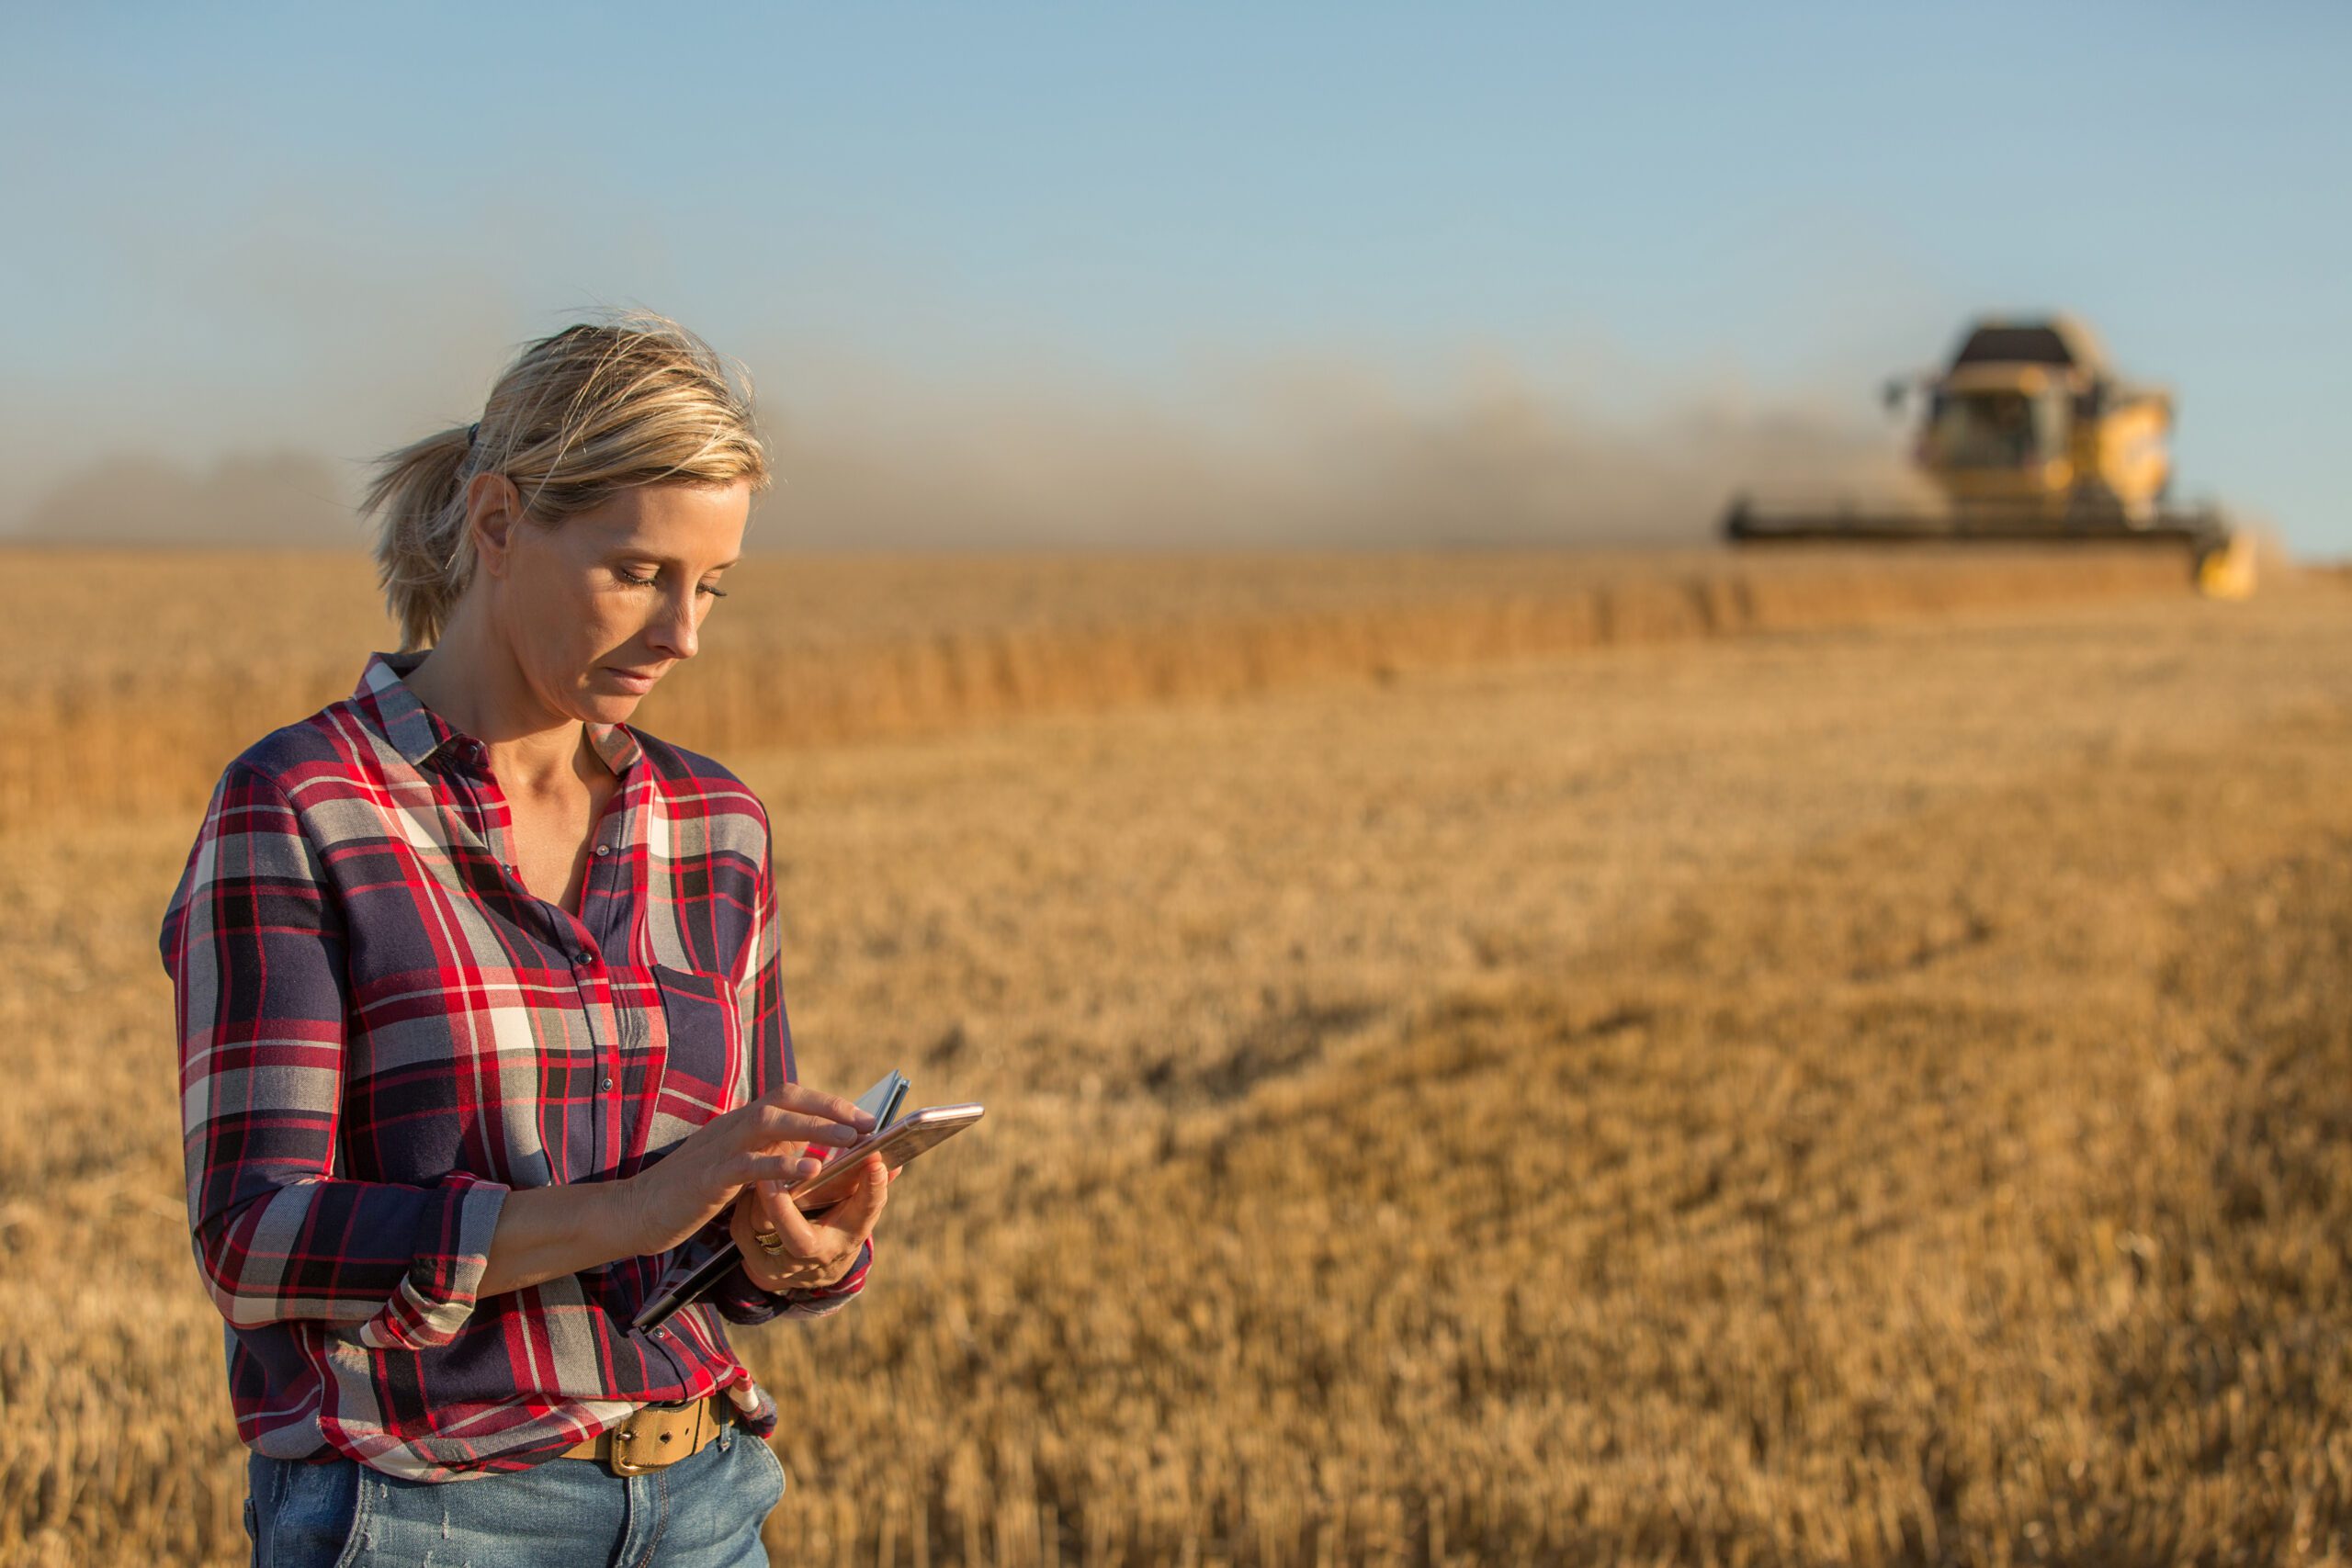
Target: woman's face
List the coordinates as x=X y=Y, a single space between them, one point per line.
x=599 y=607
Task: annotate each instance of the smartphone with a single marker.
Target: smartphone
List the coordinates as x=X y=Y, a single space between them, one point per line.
x=897 y=1143
x=688 y=1282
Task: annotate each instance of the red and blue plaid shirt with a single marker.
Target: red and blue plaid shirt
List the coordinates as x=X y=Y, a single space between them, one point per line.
x=382 y=1032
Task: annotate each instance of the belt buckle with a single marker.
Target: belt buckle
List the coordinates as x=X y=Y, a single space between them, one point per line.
x=635 y=1450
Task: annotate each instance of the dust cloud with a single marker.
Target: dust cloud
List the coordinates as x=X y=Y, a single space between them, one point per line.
x=281 y=500
x=1339 y=455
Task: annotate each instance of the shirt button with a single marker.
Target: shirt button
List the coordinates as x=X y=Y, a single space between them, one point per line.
x=583 y=957
x=609 y=1082
x=604 y=849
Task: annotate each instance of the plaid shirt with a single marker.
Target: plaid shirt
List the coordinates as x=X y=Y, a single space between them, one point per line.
x=382 y=1032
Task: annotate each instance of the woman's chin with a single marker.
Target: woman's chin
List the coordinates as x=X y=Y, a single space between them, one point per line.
x=600 y=704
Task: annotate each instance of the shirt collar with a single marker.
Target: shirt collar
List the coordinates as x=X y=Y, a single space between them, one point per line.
x=419 y=734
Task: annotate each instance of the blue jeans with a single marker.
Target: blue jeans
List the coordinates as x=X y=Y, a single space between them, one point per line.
x=703 y=1512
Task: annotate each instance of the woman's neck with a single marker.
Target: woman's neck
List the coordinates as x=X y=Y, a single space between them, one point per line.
x=474 y=683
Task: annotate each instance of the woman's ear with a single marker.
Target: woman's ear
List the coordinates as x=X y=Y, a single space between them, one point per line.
x=493 y=507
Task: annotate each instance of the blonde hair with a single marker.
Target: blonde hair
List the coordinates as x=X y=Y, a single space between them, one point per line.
x=596 y=408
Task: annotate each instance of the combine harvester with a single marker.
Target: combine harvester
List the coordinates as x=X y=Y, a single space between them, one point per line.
x=2031 y=437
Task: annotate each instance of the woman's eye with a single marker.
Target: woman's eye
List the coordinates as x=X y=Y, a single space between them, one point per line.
x=649 y=582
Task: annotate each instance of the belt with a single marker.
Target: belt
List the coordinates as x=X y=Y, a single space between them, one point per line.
x=656 y=1435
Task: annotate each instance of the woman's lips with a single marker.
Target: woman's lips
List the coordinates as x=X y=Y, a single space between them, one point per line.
x=631 y=679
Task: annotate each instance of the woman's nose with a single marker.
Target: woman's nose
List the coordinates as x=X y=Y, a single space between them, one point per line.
x=673 y=632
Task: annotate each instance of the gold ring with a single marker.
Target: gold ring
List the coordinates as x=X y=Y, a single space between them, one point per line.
x=771 y=1242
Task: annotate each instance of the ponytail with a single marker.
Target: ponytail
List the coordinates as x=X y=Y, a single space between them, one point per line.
x=424 y=553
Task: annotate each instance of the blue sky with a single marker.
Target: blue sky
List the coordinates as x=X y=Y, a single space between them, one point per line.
x=325 y=227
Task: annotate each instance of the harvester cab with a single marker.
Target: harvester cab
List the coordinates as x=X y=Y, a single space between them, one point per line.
x=2029 y=435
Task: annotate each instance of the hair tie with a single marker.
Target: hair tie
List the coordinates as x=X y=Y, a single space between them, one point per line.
x=471 y=431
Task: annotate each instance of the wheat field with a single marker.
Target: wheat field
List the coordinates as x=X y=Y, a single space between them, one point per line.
x=1819 y=1058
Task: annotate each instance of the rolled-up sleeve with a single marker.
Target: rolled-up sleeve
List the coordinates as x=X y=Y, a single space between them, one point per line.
x=759 y=998
x=255 y=943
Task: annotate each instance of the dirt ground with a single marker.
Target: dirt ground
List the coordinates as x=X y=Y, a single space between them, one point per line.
x=1838 y=1095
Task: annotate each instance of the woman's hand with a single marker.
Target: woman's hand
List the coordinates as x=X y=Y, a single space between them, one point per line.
x=814 y=1250
x=676 y=1196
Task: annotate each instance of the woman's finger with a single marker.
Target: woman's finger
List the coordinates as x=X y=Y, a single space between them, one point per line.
x=774 y=1126
x=816 y=1102
x=774 y=1197
x=801 y=1238
x=746 y=1169
x=855 y=1214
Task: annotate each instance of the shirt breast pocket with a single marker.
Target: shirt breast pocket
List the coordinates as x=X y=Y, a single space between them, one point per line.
x=704 y=1070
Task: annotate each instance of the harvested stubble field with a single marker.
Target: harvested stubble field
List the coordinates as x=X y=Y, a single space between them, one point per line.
x=1873 y=1089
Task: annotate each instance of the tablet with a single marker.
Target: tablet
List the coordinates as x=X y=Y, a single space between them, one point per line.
x=688 y=1280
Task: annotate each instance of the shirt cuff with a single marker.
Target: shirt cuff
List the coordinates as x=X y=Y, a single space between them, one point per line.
x=451 y=1243
x=739 y=1300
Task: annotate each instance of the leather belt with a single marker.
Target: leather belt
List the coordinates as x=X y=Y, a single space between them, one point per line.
x=656 y=1435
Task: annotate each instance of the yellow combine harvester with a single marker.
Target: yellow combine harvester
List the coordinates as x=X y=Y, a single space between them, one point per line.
x=2031 y=437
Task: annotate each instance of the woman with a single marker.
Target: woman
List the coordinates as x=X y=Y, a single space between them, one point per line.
x=480 y=1018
